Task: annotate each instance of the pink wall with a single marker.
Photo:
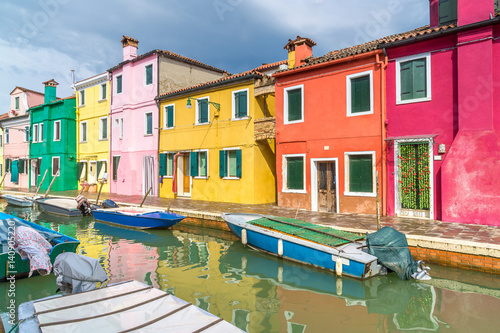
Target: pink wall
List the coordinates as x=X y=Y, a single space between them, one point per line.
x=135 y=100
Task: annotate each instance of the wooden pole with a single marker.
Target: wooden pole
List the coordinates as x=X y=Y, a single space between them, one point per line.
x=378 y=204
x=3 y=178
x=144 y=199
x=39 y=186
x=51 y=183
x=99 y=194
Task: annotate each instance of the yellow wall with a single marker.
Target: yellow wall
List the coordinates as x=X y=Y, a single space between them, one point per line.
x=258 y=182
x=94 y=108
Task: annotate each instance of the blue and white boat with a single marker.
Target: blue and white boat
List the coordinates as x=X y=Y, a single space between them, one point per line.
x=342 y=252
x=18 y=200
x=138 y=217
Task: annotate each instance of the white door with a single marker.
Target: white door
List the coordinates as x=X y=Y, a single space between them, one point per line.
x=93 y=172
x=148 y=175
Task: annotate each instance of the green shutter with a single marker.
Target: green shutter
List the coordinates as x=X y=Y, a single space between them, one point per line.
x=170 y=164
x=497 y=6
x=406 y=72
x=202 y=111
x=119 y=84
x=294 y=104
x=360 y=94
x=163 y=164
x=222 y=163
x=447 y=11
x=99 y=165
x=170 y=116
x=241 y=102
x=295 y=173
x=419 y=78
x=20 y=166
x=17 y=103
x=149 y=74
x=238 y=163
x=7 y=165
x=203 y=163
x=193 y=157
x=116 y=161
x=79 y=168
x=360 y=173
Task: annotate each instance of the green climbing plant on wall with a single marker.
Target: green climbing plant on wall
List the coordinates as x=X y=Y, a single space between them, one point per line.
x=414 y=176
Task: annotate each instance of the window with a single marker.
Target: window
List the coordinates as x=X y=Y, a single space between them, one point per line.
x=119 y=84
x=55 y=166
x=240 y=103
x=8 y=162
x=360 y=94
x=447 y=11
x=1 y=169
x=26 y=134
x=7 y=136
x=168 y=116
x=166 y=162
x=230 y=163
x=121 y=128
x=35 y=133
x=294 y=173
x=103 y=91
x=102 y=168
x=39 y=163
x=40 y=132
x=148 y=74
x=103 y=128
x=22 y=166
x=17 y=103
x=1 y=140
x=57 y=130
x=294 y=104
x=82 y=98
x=83 y=131
x=148 y=123
x=116 y=162
x=202 y=112
x=82 y=171
x=359 y=174
x=199 y=164
x=413 y=79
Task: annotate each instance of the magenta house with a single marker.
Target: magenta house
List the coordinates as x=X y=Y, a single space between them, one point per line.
x=443 y=115
x=134 y=114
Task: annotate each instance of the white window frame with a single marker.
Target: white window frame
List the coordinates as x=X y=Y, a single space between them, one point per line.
x=58 y=163
x=152 y=74
x=146 y=123
x=7 y=135
x=81 y=132
x=233 y=105
x=116 y=84
x=284 y=164
x=86 y=170
x=121 y=129
x=26 y=134
x=101 y=138
x=349 y=90
x=427 y=57
x=197 y=111
x=165 y=119
x=166 y=157
x=227 y=166
x=372 y=194
x=17 y=103
x=94 y=180
x=285 y=104
x=35 y=133
x=198 y=157
x=81 y=98
x=101 y=96
x=55 y=132
x=40 y=132
x=98 y=173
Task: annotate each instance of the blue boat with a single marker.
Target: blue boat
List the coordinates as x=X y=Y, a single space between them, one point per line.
x=341 y=252
x=21 y=267
x=137 y=217
x=18 y=200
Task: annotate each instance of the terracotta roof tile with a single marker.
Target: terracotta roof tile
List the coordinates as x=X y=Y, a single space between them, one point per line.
x=271 y=65
x=4 y=116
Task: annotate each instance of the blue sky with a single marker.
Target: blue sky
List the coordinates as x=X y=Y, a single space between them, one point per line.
x=46 y=39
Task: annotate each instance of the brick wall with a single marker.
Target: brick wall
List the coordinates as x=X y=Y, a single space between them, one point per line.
x=265 y=128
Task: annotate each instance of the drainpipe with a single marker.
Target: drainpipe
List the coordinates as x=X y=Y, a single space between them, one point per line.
x=383 y=144
x=110 y=147
x=159 y=125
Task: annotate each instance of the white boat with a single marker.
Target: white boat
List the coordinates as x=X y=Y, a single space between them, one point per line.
x=122 y=307
x=18 y=200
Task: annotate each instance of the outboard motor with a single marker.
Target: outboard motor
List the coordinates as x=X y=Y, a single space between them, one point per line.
x=108 y=203
x=84 y=205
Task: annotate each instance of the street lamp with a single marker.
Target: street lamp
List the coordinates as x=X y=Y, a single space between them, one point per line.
x=190 y=106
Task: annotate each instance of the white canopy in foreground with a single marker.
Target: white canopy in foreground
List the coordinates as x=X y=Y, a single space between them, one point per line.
x=125 y=307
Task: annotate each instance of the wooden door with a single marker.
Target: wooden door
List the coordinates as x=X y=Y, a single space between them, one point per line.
x=186 y=179
x=327 y=184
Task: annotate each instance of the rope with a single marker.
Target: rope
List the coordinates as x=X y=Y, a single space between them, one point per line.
x=16 y=326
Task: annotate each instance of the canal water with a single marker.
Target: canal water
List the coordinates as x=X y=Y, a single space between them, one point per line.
x=261 y=293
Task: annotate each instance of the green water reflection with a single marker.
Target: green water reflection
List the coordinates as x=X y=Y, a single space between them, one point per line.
x=259 y=293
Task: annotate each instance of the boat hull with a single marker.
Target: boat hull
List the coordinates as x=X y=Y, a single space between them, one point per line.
x=52 y=206
x=141 y=221
x=306 y=252
x=17 y=200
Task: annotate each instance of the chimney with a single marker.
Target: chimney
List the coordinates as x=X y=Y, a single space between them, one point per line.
x=298 y=51
x=129 y=48
x=50 y=90
x=434 y=13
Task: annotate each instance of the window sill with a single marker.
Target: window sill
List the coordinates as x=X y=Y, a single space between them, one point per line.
x=360 y=194
x=148 y=134
x=229 y=178
x=293 y=122
x=206 y=177
x=410 y=101
x=242 y=118
x=105 y=139
x=350 y=114
x=102 y=100
x=82 y=142
x=293 y=191
x=167 y=128
x=200 y=124
x=81 y=105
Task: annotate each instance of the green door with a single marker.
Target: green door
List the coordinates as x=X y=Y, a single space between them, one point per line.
x=414 y=179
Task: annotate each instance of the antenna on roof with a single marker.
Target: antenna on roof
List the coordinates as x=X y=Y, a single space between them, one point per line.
x=73 y=78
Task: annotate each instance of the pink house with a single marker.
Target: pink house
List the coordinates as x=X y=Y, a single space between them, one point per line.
x=16 y=137
x=443 y=116
x=134 y=115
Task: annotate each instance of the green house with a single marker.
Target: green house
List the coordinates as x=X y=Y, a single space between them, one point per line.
x=53 y=141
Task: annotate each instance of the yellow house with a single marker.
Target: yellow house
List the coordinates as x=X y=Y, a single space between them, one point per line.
x=217 y=140
x=92 y=112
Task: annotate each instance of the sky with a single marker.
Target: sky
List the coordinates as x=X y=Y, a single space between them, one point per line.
x=46 y=39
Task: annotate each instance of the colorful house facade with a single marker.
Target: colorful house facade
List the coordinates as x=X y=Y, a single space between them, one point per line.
x=16 y=137
x=134 y=116
x=329 y=132
x=92 y=128
x=53 y=141
x=443 y=126
x=217 y=140
x=2 y=170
